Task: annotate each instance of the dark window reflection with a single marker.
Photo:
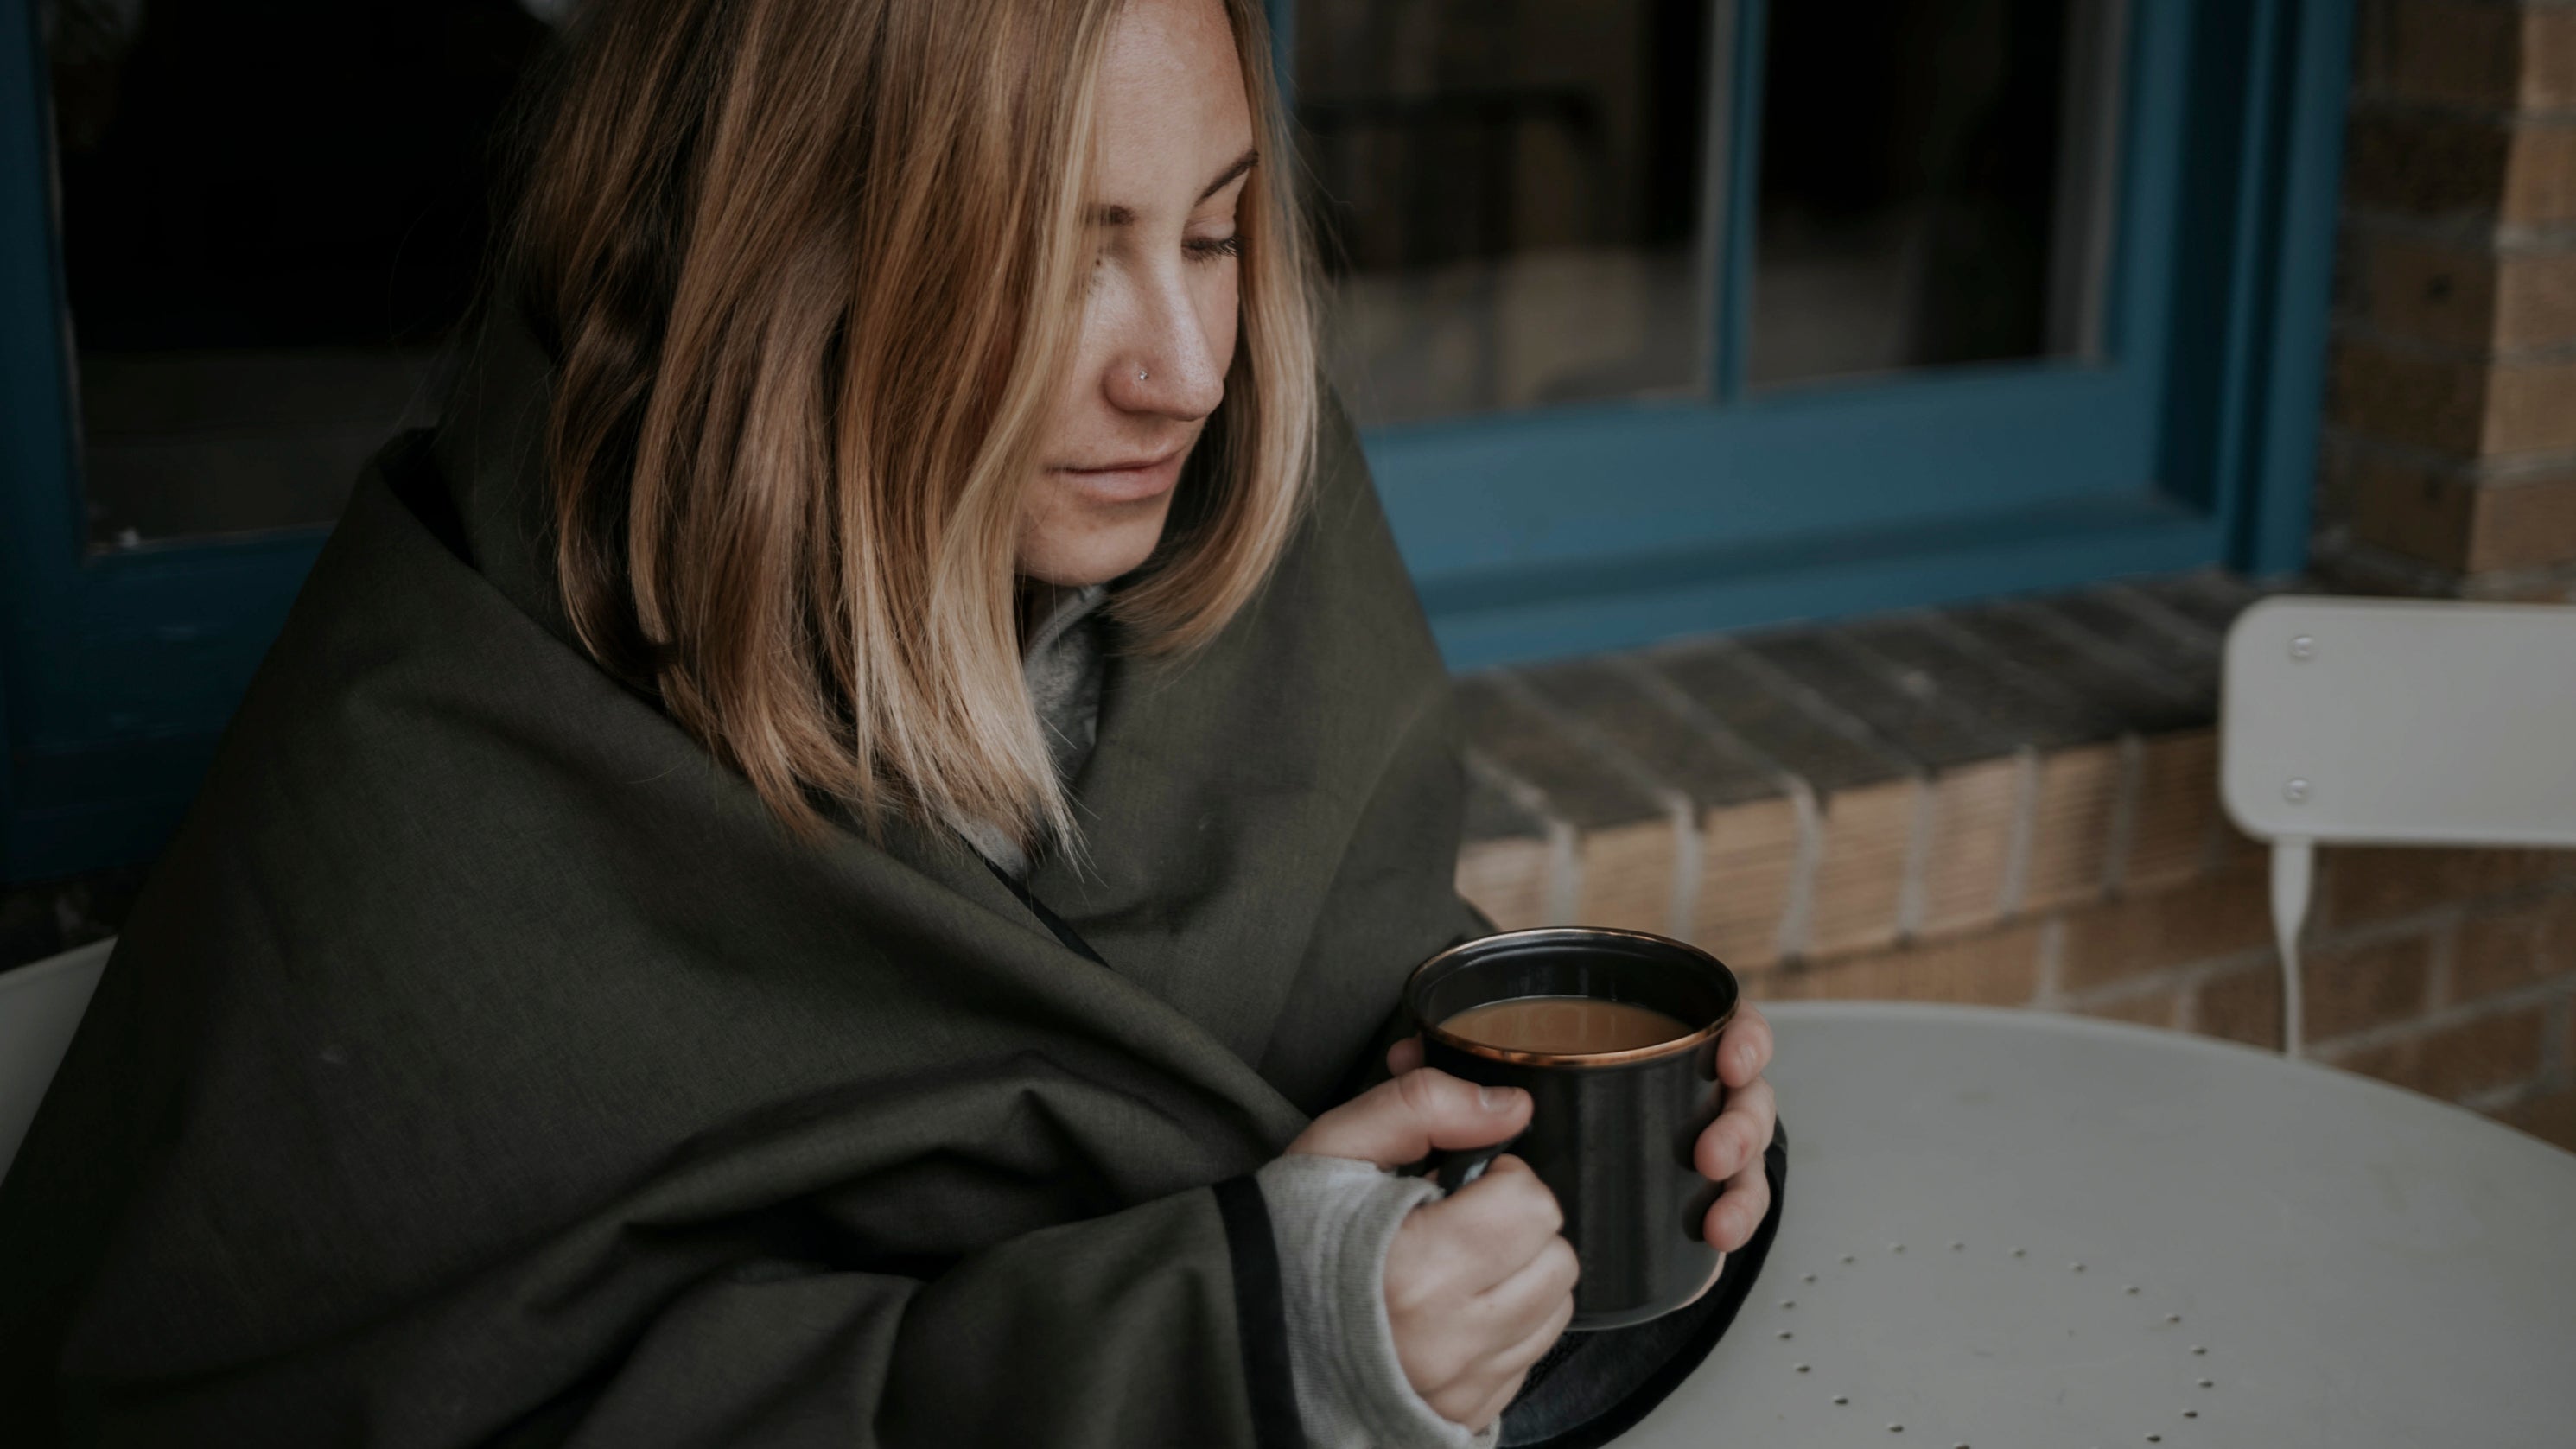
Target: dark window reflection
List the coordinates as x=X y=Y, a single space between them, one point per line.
x=272 y=214
x=1514 y=197
x=1935 y=183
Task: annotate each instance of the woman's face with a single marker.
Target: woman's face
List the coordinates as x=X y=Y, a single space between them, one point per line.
x=1171 y=148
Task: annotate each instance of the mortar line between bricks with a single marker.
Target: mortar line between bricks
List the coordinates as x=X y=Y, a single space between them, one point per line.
x=1816 y=706
x=2442 y=961
x=2219 y=586
x=2426 y=922
x=2409 y=107
x=1564 y=863
x=1858 y=732
x=1689 y=861
x=2050 y=992
x=2523 y=6
x=2382 y=568
x=2495 y=1101
x=1798 y=914
x=1969 y=641
x=1915 y=884
x=2353 y=327
x=1894 y=675
x=2346 y=555
x=1912 y=896
x=1678 y=807
x=2122 y=823
x=2554 y=1065
x=2540 y=993
x=2187 y=978
x=1798 y=909
x=2147 y=983
x=2500 y=470
x=2161 y=617
x=2357 y=322
x=2075 y=634
x=2470 y=229
x=2126 y=799
x=2213 y=846
x=2360 y=936
x=1677 y=702
x=2386 y=566
x=2025 y=834
x=2187 y=982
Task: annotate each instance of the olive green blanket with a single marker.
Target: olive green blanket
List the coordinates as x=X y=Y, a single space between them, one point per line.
x=482 y=1064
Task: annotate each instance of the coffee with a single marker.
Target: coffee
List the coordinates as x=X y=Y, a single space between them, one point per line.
x=1565 y=1025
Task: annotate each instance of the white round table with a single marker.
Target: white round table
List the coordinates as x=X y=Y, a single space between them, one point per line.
x=2011 y=1230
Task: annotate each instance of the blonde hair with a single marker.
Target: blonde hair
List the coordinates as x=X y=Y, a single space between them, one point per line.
x=811 y=272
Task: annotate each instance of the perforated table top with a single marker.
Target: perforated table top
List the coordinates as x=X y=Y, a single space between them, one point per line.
x=2009 y=1230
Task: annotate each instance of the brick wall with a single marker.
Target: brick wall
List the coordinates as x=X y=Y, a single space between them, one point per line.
x=2011 y=804
x=2450 y=458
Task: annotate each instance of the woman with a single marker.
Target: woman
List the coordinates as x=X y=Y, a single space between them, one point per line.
x=800 y=868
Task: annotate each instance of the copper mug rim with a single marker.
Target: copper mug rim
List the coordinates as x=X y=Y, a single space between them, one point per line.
x=1575 y=935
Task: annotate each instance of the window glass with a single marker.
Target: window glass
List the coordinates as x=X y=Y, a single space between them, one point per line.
x=1936 y=183
x=271 y=215
x=1514 y=198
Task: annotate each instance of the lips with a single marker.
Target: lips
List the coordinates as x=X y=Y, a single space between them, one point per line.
x=1128 y=482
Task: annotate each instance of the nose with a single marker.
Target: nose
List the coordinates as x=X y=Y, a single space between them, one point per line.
x=1169 y=366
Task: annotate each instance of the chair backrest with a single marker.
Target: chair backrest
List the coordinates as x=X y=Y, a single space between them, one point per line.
x=40 y=1008
x=2394 y=722
x=2402 y=721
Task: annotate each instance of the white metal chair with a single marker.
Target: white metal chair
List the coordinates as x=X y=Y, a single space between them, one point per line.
x=40 y=1008
x=2394 y=722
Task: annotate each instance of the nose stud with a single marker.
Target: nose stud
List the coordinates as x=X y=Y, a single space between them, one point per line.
x=1140 y=374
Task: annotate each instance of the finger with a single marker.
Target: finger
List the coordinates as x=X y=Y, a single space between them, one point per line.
x=1522 y=1356
x=1744 y=1048
x=1499 y=1331
x=1740 y=1207
x=1542 y=1338
x=1487 y=1231
x=1404 y=1056
x=1514 y=1310
x=1739 y=1134
x=1491 y=1408
x=1400 y=1121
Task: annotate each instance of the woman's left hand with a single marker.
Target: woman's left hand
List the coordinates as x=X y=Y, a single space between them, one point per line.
x=1730 y=1151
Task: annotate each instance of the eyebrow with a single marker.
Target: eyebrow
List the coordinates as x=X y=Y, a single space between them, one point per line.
x=1116 y=215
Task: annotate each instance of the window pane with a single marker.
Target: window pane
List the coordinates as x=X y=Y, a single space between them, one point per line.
x=1936 y=182
x=271 y=216
x=1513 y=198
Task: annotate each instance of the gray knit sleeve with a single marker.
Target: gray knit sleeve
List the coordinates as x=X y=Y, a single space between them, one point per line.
x=1334 y=1218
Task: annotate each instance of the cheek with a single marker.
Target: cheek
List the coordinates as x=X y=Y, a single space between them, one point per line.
x=1078 y=388
x=1220 y=312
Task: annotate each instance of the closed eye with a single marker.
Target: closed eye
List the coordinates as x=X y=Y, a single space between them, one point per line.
x=1211 y=248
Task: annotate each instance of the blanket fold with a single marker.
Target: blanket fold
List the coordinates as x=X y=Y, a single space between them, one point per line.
x=483 y=1065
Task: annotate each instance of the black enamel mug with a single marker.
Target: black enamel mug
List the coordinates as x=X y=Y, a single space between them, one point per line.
x=1611 y=1133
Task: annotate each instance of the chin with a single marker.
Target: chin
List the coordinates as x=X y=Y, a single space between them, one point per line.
x=1081 y=567
x=1093 y=556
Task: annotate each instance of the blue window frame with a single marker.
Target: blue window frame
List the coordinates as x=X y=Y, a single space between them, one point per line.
x=117 y=670
x=2189 y=440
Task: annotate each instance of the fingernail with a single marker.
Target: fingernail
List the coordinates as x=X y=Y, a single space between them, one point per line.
x=1495 y=1099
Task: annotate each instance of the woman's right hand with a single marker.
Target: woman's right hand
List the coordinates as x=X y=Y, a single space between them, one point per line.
x=1478 y=1284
